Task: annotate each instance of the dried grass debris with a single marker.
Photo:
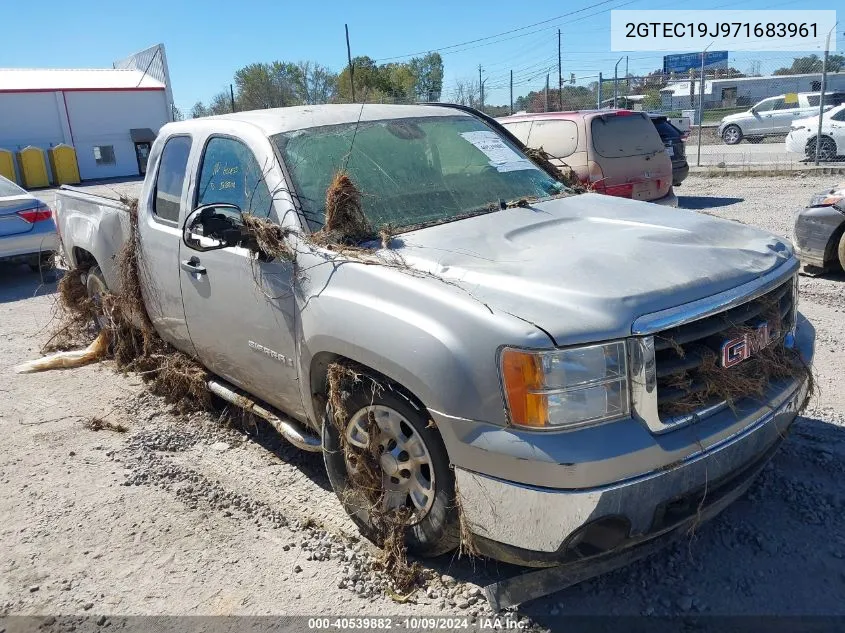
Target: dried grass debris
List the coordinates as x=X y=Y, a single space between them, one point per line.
x=99 y=424
x=543 y=160
x=710 y=382
x=74 y=313
x=366 y=481
x=128 y=335
x=345 y=223
x=270 y=238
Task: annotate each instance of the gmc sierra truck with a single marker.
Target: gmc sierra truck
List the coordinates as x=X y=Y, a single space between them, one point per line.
x=525 y=344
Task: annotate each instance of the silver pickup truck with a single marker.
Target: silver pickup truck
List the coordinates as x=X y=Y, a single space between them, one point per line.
x=524 y=348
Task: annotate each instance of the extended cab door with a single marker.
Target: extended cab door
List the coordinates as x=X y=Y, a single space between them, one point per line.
x=164 y=194
x=241 y=310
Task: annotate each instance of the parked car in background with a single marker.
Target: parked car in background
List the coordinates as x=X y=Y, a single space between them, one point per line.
x=673 y=140
x=819 y=233
x=27 y=231
x=615 y=152
x=802 y=136
x=773 y=116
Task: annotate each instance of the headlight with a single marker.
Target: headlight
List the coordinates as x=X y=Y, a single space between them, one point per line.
x=567 y=388
x=826 y=200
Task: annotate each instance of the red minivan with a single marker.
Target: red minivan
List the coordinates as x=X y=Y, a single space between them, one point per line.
x=616 y=152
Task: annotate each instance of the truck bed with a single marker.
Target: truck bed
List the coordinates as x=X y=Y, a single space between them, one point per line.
x=92 y=229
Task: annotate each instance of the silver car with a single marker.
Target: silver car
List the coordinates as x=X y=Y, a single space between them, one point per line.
x=773 y=116
x=27 y=230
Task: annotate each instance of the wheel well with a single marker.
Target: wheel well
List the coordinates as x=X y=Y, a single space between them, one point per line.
x=831 y=251
x=318 y=377
x=84 y=259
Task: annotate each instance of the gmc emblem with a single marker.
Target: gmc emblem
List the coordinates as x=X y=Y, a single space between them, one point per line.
x=741 y=348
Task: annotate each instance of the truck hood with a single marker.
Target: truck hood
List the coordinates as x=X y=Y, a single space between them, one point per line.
x=583 y=268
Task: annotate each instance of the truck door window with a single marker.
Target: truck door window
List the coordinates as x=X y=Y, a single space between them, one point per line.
x=171 y=178
x=231 y=174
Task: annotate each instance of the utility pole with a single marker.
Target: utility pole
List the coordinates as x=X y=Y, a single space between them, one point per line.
x=546 y=109
x=598 y=99
x=231 y=96
x=511 y=91
x=480 y=89
x=559 y=76
x=626 y=76
x=351 y=67
x=821 y=95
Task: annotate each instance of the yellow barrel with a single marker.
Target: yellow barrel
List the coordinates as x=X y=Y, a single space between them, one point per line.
x=7 y=165
x=33 y=168
x=63 y=164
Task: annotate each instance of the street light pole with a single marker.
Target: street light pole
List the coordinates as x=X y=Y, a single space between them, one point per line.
x=616 y=81
x=701 y=105
x=821 y=96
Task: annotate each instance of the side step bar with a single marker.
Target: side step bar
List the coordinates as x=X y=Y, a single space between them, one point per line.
x=292 y=431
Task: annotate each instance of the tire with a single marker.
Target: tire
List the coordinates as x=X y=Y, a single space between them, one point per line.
x=95 y=284
x=434 y=532
x=827 y=149
x=732 y=135
x=841 y=252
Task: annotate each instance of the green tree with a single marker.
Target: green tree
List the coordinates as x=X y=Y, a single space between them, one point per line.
x=272 y=85
x=812 y=64
x=428 y=72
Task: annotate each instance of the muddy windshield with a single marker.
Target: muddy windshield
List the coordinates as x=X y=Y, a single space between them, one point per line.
x=412 y=172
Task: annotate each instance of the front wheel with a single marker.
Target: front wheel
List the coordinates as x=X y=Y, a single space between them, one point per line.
x=385 y=458
x=732 y=135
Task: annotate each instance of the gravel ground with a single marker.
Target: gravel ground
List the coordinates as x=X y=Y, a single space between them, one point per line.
x=194 y=516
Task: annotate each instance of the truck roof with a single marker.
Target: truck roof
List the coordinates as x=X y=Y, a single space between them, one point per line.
x=278 y=120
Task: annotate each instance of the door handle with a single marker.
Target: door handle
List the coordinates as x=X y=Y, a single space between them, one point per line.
x=193 y=266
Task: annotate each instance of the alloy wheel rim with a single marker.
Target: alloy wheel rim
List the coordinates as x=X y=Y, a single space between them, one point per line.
x=406 y=463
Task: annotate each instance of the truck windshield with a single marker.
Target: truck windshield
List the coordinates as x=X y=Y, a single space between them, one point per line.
x=412 y=172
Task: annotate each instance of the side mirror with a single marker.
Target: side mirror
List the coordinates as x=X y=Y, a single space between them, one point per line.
x=212 y=227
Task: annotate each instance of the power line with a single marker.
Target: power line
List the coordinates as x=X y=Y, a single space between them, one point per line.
x=490 y=37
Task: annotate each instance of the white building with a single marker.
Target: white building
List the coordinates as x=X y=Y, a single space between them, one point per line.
x=745 y=91
x=110 y=116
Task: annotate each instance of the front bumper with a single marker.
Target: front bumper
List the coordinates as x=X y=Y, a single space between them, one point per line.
x=547 y=525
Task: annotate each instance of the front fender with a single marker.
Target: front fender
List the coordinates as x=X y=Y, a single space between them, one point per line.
x=427 y=336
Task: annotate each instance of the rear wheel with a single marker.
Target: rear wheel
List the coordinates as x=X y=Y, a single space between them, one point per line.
x=732 y=135
x=410 y=461
x=827 y=149
x=96 y=286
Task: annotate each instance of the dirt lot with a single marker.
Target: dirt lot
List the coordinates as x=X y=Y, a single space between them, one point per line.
x=190 y=516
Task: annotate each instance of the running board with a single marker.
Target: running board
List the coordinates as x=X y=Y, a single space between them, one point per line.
x=292 y=431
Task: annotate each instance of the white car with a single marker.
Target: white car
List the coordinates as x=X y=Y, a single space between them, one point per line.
x=802 y=136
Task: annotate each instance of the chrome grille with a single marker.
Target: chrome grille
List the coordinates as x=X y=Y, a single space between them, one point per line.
x=680 y=351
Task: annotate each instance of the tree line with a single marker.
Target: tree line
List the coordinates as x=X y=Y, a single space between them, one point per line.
x=278 y=84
